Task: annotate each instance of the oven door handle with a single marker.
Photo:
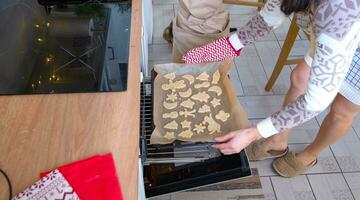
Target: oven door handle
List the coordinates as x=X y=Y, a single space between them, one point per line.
x=112 y=52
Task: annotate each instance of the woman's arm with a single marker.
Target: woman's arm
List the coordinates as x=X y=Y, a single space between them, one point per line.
x=267 y=19
x=337 y=29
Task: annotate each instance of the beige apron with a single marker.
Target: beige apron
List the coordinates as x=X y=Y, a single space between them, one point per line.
x=198 y=23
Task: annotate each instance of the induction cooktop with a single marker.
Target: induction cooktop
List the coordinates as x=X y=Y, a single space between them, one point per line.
x=70 y=46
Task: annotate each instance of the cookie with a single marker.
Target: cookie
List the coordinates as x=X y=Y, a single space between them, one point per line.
x=204 y=109
x=186 y=94
x=216 y=77
x=215 y=89
x=189 y=78
x=170 y=106
x=215 y=102
x=201 y=96
x=172 y=125
x=186 y=134
x=213 y=126
x=172 y=115
x=223 y=116
x=199 y=128
x=187 y=104
x=202 y=85
x=169 y=135
x=203 y=77
x=185 y=124
x=187 y=113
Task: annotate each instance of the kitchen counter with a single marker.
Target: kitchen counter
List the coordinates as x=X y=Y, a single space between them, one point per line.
x=41 y=132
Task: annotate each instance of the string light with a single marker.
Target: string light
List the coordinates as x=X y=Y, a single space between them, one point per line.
x=37 y=25
x=40 y=40
x=48 y=24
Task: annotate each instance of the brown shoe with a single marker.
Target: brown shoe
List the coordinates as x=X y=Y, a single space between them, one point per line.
x=168 y=34
x=289 y=166
x=255 y=153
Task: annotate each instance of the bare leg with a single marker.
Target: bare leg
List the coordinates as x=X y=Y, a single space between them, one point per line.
x=299 y=79
x=336 y=124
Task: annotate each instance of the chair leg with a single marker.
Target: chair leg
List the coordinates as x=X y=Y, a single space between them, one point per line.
x=260 y=1
x=285 y=51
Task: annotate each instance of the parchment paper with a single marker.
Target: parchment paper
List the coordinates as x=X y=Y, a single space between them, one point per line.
x=230 y=104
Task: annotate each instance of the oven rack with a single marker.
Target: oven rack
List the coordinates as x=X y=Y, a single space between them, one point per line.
x=177 y=152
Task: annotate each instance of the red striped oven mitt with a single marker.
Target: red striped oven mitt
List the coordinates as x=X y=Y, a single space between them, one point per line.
x=215 y=51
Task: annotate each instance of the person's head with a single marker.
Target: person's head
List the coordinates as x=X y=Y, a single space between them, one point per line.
x=290 y=6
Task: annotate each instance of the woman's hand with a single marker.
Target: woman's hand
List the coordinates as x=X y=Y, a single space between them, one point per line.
x=236 y=141
x=218 y=50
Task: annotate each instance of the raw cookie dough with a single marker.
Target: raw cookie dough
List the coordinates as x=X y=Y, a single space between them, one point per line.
x=201 y=96
x=199 y=128
x=173 y=85
x=185 y=124
x=203 y=77
x=216 y=89
x=186 y=134
x=215 y=102
x=213 y=126
x=170 y=76
x=223 y=116
x=169 y=135
x=216 y=77
x=187 y=113
x=170 y=106
x=186 y=94
x=188 y=104
x=190 y=78
x=171 y=97
x=172 y=125
x=202 y=85
x=172 y=115
x=204 y=109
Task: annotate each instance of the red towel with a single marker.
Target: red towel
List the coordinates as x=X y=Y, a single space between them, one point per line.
x=93 y=178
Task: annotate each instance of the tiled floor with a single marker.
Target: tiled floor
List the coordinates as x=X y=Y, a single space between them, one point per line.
x=337 y=174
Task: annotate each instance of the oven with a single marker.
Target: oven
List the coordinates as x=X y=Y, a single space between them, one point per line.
x=181 y=165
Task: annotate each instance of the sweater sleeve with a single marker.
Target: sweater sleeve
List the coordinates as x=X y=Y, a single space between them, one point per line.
x=269 y=18
x=337 y=37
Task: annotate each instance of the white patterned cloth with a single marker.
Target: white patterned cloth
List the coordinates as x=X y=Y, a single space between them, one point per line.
x=336 y=27
x=51 y=187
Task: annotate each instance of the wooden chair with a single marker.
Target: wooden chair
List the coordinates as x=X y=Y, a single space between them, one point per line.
x=258 y=4
x=284 y=54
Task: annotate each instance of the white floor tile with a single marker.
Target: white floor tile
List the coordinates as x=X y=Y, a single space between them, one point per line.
x=160 y=52
x=251 y=72
x=238 y=9
x=234 y=77
x=163 y=14
x=353 y=179
x=292 y=188
x=282 y=30
x=356 y=125
x=161 y=2
x=330 y=187
x=304 y=133
x=267 y=188
x=269 y=53
x=299 y=49
x=261 y=106
x=346 y=152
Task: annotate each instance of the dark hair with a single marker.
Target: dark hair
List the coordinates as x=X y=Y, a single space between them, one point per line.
x=290 y=6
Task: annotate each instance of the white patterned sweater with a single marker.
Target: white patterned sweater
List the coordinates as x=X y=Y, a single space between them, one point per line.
x=336 y=25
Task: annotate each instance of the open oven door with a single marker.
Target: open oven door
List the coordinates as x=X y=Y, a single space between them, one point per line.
x=182 y=166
